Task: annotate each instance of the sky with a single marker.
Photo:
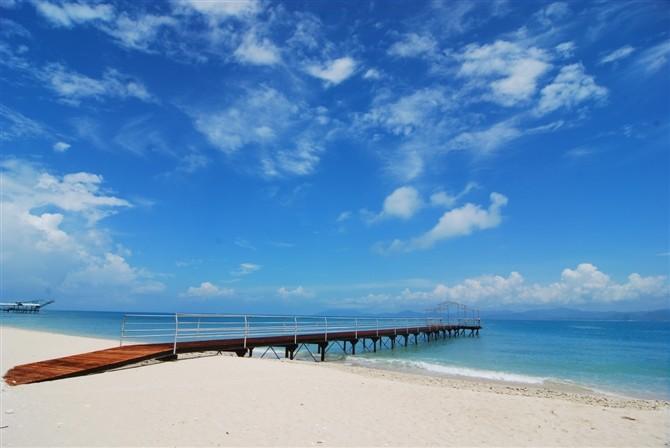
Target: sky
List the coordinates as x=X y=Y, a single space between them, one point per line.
x=297 y=157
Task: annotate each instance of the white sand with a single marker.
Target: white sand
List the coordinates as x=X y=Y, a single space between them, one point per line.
x=225 y=400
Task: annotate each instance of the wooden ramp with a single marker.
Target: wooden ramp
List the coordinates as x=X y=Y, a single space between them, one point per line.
x=85 y=363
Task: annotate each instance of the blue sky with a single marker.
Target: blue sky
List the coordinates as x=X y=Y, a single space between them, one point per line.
x=304 y=156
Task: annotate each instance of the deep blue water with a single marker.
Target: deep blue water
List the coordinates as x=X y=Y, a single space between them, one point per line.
x=632 y=358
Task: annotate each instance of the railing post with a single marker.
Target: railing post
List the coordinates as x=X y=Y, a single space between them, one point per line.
x=325 y=319
x=123 y=329
x=356 y=327
x=295 y=331
x=246 y=330
x=176 y=332
x=377 y=327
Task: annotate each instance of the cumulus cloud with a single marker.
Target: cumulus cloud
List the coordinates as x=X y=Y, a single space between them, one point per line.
x=57 y=245
x=454 y=223
x=286 y=293
x=334 y=71
x=571 y=87
x=208 y=290
x=403 y=203
x=583 y=284
x=509 y=70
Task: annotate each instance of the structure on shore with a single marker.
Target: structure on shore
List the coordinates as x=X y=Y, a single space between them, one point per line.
x=166 y=336
x=24 y=307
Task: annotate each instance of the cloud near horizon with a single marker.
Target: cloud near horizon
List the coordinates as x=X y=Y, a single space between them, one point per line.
x=581 y=285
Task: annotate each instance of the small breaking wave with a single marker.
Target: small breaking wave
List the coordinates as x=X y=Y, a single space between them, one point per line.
x=441 y=369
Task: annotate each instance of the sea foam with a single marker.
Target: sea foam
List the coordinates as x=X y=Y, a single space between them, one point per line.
x=448 y=370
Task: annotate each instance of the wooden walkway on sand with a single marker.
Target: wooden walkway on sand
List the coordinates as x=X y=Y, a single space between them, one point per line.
x=272 y=335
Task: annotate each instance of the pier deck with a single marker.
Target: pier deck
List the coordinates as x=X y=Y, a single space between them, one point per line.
x=217 y=333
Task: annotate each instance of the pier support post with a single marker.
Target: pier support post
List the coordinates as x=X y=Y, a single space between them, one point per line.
x=406 y=336
x=353 y=343
x=374 y=345
x=392 y=343
x=322 y=349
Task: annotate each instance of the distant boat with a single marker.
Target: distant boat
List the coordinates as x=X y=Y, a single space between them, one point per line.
x=24 y=307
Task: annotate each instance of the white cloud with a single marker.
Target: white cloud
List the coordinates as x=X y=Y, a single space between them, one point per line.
x=61 y=146
x=619 y=53
x=566 y=49
x=285 y=137
x=487 y=140
x=246 y=269
x=286 y=293
x=344 y=216
x=413 y=45
x=653 y=59
x=68 y=14
x=454 y=223
x=334 y=71
x=553 y=13
x=509 y=70
x=258 y=117
x=372 y=73
x=583 y=284
x=406 y=114
x=572 y=86
x=208 y=290
x=403 y=203
x=112 y=271
x=15 y=125
x=57 y=245
x=444 y=199
x=257 y=51
x=219 y=9
x=139 y=32
x=73 y=87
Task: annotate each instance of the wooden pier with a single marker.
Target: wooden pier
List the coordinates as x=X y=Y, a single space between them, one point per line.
x=199 y=333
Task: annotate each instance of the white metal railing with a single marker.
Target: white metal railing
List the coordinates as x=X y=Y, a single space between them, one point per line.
x=183 y=327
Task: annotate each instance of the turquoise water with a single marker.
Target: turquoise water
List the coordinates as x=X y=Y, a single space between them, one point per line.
x=631 y=358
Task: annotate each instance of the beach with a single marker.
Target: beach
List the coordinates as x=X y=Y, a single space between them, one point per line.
x=230 y=401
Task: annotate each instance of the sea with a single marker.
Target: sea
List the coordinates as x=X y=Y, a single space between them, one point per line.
x=629 y=358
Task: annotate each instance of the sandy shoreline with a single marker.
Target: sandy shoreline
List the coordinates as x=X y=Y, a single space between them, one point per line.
x=231 y=401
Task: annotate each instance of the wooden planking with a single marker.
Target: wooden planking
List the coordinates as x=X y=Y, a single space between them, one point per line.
x=100 y=360
x=84 y=363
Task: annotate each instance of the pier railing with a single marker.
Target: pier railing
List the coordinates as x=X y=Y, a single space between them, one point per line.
x=182 y=327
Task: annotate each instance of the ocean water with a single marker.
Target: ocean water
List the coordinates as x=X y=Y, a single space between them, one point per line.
x=629 y=358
